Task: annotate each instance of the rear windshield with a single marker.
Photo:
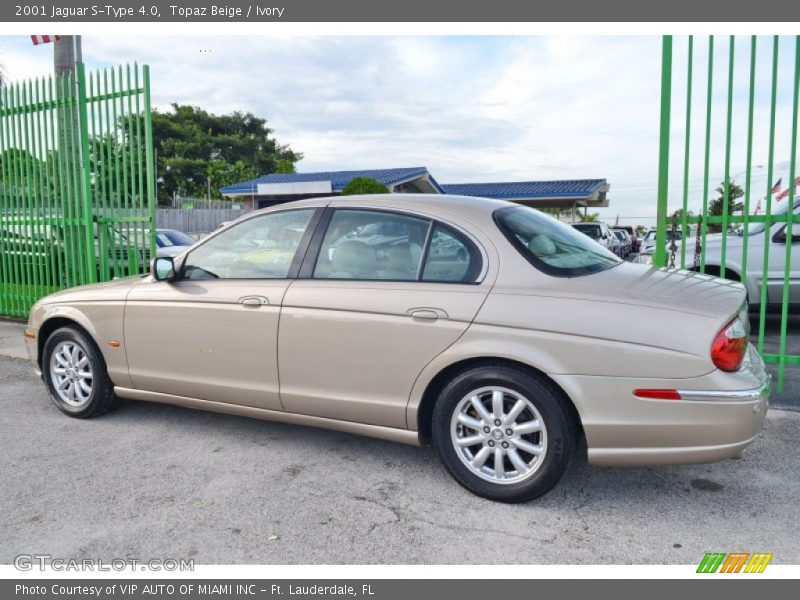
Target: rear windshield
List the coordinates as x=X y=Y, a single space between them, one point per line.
x=593 y=231
x=552 y=246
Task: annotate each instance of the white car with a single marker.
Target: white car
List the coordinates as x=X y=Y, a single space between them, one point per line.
x=757 y=240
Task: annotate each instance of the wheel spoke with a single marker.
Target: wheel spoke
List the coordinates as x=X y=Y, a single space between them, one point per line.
x=527 y=446
x=75 y=355
x=59 y=370
x=497 y=404
x=481 y=457
x=82 y=385
x=499 y=468
x=527 y=427
x=466 y=442
x=480 y=408
x=60 y=359
x=468 y=421
x=517 y=461
x=64 y=383
x=71 y=391
x=84 y=361
x=519 y=406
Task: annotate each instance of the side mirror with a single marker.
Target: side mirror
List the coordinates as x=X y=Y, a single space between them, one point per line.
x=163 y=268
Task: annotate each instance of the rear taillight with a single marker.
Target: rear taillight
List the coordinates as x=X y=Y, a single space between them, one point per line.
x=730 y=345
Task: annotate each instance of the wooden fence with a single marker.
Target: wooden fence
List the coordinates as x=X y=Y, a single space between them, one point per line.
x=198 y=220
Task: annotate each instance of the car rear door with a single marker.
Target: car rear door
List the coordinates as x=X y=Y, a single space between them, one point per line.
x=212 y=334
x=369 y=312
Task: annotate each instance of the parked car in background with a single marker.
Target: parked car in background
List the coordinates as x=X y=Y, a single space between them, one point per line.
x=631 y=231
x=757 y=238
x=171 y=242
x=600 y=233
x=118 y=250
x=625 y=242
x=496 y=354
x=648 y=244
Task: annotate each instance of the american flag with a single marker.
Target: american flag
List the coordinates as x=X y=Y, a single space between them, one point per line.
x=788 y=190
x=44 y=39
x=775 y=189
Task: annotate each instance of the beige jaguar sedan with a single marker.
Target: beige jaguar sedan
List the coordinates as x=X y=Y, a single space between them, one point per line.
x=503 y=336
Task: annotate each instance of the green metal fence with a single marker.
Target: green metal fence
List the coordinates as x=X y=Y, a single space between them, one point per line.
x=747 y=111
x=76 y=182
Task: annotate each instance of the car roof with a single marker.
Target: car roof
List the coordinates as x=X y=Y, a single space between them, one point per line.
x=463 y=205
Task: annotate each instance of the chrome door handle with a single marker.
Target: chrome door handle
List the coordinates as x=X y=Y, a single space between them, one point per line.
x=426 y=314
x=253 y=301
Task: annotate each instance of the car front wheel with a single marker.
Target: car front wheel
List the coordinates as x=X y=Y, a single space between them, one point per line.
x=75 y=374
x=503 y=433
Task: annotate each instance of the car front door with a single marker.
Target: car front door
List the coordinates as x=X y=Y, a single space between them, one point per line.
x=381 y=294
x=212 y=333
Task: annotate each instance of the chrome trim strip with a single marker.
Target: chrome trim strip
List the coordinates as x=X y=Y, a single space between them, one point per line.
x=750 y=395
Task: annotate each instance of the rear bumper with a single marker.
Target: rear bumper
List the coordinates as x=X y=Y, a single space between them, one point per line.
x=718 y=416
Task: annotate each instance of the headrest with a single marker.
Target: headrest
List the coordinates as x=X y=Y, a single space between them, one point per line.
x=541 y=245
x=353 y=257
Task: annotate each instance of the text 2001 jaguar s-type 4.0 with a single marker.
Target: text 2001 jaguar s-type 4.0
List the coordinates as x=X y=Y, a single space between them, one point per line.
x=488 y=328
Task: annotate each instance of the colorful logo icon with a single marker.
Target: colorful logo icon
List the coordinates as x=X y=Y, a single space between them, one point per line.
x=734 y=562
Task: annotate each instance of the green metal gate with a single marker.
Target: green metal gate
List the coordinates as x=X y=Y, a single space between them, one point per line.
x=757 y=244
x=77 y=188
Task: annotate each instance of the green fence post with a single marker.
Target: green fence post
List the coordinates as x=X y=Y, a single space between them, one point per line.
x=660 y=256
x=685 y=205
x=151 y=172
x=86 y=177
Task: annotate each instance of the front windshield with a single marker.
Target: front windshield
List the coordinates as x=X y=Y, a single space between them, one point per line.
x=552 y=246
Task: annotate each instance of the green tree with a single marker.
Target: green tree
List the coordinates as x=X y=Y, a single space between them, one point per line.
x=716 y=206
x=592 y=217
x=364 y=185
x=194 y=146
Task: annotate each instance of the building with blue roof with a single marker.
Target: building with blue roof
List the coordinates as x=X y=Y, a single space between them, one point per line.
x=277 y=188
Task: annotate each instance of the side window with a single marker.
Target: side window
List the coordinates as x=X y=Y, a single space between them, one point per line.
x=369 y=244
x=451 y=257
x=259 y=248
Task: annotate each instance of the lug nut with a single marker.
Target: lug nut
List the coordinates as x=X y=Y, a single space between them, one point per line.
x=509 y=431
x=491 y=444
x=497 y=422
x=505 y=444
x=486 y=430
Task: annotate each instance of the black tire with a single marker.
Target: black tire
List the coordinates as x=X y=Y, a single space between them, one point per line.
x=560 y=432
x=101 y=398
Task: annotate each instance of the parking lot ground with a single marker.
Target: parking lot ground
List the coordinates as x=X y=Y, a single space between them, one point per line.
x=153 y=481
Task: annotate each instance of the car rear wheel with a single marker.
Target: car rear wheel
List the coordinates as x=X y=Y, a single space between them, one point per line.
x=75 y=374
x=503 y=433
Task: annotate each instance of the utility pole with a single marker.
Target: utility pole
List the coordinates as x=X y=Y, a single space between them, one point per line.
x=66 y=56
x=66 y=53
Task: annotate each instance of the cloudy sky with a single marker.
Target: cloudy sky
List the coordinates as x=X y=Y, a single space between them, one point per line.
x=468 y=108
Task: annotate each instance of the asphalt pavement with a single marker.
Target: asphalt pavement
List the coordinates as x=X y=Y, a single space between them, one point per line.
x=153 y=481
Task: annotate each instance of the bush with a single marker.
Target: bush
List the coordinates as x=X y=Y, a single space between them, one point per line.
x=364 y=185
